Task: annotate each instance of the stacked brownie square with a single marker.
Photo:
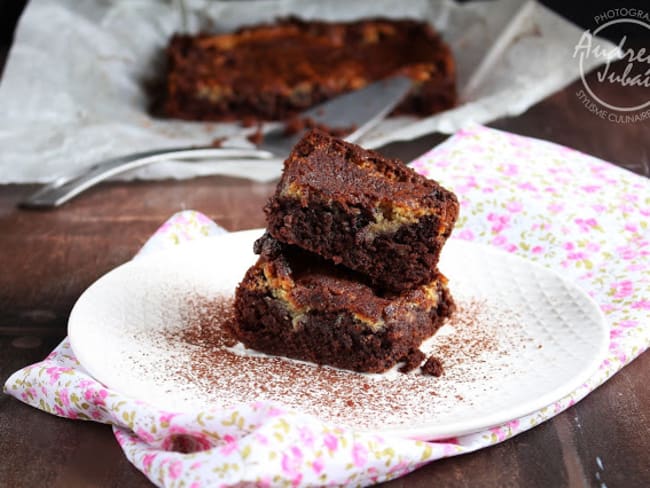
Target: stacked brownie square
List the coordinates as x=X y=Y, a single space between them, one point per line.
x=347 y=270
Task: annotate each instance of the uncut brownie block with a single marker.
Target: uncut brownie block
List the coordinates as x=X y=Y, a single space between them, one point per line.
x=372 y=214
x=273 y=71
x=295 y=304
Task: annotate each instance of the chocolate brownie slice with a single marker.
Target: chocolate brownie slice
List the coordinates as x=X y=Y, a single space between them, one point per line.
x=355 y=207
x=274 y=71
x=293 y=303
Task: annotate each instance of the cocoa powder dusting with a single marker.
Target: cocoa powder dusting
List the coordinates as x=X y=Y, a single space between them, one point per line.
x=203 y=362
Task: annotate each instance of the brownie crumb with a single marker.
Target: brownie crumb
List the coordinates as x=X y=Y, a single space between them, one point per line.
x=256 y=137
x=413 y=360
x=217 y=142
x=433 y=367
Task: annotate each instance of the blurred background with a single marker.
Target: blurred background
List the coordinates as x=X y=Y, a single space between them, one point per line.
x=580 y=13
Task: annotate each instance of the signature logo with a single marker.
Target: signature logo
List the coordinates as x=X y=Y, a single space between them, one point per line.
x=623 y=66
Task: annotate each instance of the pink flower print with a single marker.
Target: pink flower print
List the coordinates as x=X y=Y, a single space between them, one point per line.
x=291 y=465
x=54 y=373
x=96 y=414
x=615 y=349
x=331 y=442
x=635 y=267
x=615 y=333
x=59 y=411
x=466 y=234
x=498 y=433
x=527 y=186
x=537 y=250
x=642 y=305
x=175 y=469
x=513 y=424
x=593 y=247
x=597 y=207
x=402 y=467
x=586 y=225
x=65 y=399
x=510 y=170
x=500 y=222
x=631 y=227
x=576 y=256
x=511 y=248
x=555 y=207
x=359 y=455
x=166 y=418
x=144 y=435
x=306 y=436
x=274 y=412
x=590 y=188
x=262 y=439
x=626 y=252
x=514 y=206
x=628 y=323
x=623 y=289
x=147 y=460
x=318 y=466
x=499 y=240
x=569 y=246
x=230 y=446
x=71 y=414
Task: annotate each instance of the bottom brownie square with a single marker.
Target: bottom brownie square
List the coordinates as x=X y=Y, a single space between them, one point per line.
x=293 y=303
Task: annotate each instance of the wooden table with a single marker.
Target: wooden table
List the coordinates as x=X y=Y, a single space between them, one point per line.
x=49 y=257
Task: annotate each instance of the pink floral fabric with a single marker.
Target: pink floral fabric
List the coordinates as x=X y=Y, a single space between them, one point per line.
x=550 y=204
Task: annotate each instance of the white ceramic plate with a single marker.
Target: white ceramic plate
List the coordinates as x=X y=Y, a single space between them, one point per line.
x=543 y=338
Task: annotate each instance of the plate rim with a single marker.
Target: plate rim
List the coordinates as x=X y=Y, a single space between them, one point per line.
x=420 y=432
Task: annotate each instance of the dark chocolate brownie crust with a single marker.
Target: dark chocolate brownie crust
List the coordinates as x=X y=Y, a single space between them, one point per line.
x=357 y=208
x=274 y=71
x=295 y=304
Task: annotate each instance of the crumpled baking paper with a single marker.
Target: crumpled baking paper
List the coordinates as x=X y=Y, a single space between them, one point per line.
x=572 y=212
x=72 y=93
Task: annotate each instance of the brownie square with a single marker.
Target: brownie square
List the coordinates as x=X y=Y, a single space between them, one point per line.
x=295 y=304
x=364 y=211
x=273 y=71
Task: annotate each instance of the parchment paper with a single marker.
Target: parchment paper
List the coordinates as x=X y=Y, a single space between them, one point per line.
x=73 y=88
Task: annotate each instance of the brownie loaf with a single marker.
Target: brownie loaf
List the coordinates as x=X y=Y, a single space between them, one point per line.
x=273 y=71
x=356 y=208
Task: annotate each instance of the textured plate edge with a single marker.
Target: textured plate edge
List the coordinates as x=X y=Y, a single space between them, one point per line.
x=74 y=323
x=463 y=428
x=417 y=432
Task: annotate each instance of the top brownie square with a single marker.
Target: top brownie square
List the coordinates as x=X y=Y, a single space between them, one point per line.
x=357 y=208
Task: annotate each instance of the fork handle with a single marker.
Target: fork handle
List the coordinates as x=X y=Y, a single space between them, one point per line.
x=63 y=189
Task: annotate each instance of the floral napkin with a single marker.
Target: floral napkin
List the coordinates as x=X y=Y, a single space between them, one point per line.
x=564 y=209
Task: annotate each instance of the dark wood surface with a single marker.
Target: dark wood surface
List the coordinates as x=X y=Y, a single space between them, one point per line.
x=49 y=257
